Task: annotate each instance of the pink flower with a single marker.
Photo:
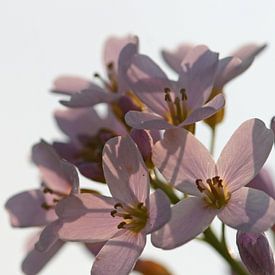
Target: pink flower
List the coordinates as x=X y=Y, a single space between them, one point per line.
x=228 y=68
x=84 y=93
x=214 y=189
x=122 y=220
x=173 y=104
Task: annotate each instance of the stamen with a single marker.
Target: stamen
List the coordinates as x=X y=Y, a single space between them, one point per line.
x=167 y=95
x=183 y=94
x=200 y=185
x=113 y=213
x=139 y=206
x=117 y=205
x=121 y=225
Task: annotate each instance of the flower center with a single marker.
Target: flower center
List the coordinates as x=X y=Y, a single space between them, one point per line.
x=215 y=192
x=134 y=216
x=177 y=109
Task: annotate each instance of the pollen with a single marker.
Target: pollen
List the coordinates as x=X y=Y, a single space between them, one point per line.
x=133 y=217
x=215 y=192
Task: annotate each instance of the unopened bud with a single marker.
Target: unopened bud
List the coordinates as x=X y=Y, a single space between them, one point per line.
x=255 y=253
x=147 y=267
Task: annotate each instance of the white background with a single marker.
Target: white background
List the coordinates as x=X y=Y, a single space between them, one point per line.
x=43 y=39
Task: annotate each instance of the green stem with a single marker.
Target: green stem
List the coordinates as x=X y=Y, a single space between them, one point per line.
x=211 y=239
x=166 y=188
x=223 y=238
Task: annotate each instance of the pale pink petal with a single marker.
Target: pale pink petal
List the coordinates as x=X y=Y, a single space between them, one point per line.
x=57 y=174
x=263 y=182
x=207 y=110
x=247 y=54
x=76 y=122
x=175 y=57
x=159 y=212
x=119 y=254
x=94 y=248
x=25 y=209
x=126 y=176
x=228 y=68
x=182 y=159
x=36 y=260
x=249 y=210
x=89 y=97
x=69 y=85
x=87 y=218
x=244 y=154
x=113 y=47
x=150 y=121
x=198 y=73
x=49 y=236
x=190 y=217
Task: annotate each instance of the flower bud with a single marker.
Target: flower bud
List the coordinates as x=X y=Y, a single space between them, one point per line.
x=255 y=253
x=144 y=142
x=147 y=267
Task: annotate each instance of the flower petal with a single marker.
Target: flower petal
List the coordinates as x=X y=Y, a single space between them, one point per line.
x=125 y=171
x=36 y=260
x=151 y=121
x=247 y=54
x=57 y=174
x=87 y=217
x=228 y=68
x=198 y=73
x=89 y=97
x=190 y=217
x=263 y=182
x=160 y=211
x=244 y=154
x=25 y=209
x=119 y=254
x=69 y=85
x=249 y=210
x=207 y=110
x=174 y=58
x=182 y=159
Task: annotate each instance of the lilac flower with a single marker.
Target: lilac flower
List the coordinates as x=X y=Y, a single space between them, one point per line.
x=35 y=208
x=122 y=220
x=215 y=189
x=87 y=133
x=84 y=93
x=256 y=253
x=172 y=104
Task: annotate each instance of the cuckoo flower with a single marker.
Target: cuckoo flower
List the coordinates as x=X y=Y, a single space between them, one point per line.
x=172 y=104
x=215 y=189
x=228 y=68
x=84 y=93
x=36 y=207
x=87 y=133
x=122 y=220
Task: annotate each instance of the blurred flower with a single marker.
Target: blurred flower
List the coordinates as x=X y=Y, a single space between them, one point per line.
x=215 y=189
x=122 y=220
x=173 y=104
x=256 y=253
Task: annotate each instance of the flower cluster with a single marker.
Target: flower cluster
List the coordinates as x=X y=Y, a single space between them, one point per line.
x=144 y=149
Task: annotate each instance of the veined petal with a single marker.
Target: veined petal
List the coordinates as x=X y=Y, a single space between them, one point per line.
x=57 y=174
x=244 y=154
x=247 y=54
x=69 y=85
x=87 y=218
x=198 y=73
x=89 y=97
x=36 y=260
x=207 y=110
x=228 y=68
x=249 y=210
x=182 y=159
x=125 y=171
x=190 y=217
x=25 y=209
x=119 y=254
x=159 y=212
x=174 y=58
x=142 y=120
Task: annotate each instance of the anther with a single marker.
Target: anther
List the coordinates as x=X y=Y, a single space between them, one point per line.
x=110 y=65
x=48 y=190
x=127 y=216
x=199 y=185
x=121 y=225
x=139 y=206
x=113 y=213
x=183 y=94
x=117 y=205
x=167 y=95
